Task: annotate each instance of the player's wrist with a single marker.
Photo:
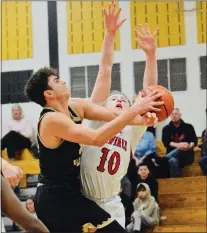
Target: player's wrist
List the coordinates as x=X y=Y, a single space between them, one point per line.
x=110 y=34
x=151 y=55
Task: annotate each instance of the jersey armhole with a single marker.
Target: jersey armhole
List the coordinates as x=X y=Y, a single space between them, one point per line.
x=38 y=135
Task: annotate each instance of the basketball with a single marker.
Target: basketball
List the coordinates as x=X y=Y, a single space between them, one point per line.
x=167 y=98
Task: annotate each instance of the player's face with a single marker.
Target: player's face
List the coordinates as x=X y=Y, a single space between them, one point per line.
x=117 y=103
x=16 y=113
x=58 y=87
x=143 y=171
x=30 y=206
x=142 y=194
x=175 y=115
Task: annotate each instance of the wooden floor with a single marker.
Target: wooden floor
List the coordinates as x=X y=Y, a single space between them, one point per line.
x=183 y=201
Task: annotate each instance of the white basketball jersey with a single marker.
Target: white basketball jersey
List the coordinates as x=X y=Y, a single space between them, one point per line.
x=102 y=168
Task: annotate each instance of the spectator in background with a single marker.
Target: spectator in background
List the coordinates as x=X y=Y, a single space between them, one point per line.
x=179 y=138
x=144 y=176
x=146 y=151
x=30 y=206
x=203 y=147
x=125 y=195
x=20 y=133
x=146 y=211
x=203 y=160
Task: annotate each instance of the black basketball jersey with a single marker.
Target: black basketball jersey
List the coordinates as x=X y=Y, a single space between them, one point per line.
x=60 y=166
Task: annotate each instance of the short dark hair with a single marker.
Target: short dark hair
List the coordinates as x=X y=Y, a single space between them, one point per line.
x=38 y=83
x=141 y=188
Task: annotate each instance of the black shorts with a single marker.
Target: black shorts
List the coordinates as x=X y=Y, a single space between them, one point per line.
x=62 y=210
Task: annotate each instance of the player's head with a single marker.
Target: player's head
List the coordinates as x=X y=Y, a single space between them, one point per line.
x=17 y=113
x=143 y=191
x=30 y=205
x=45 y=86
x=117 y=102
x=175 y=115
x=143 y=171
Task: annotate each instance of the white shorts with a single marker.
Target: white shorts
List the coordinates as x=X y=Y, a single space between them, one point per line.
x=115 y=208
x=2 y=226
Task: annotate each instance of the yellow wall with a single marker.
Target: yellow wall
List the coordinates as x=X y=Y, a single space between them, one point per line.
x=168 y=16
x=85 y=26
x=16 y=30
x=201 y=21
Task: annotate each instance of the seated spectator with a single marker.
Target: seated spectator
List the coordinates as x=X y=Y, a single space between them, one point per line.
x=203 y=160
x=146 y=151
x=179 y=138
x=143 y=176
x=203 y=148
x=30 y=206
x=146 y=146
x=146 y=211
x=20 y=133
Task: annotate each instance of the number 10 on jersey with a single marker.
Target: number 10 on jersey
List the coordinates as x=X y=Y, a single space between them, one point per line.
x=113 y=162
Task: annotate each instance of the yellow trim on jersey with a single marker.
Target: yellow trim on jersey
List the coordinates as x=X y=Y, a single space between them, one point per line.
x=105 y=223
x=40 y=137
x=78 y=118
x=89 y=227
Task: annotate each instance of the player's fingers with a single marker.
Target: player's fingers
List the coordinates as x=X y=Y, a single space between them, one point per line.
x=21 y=173
x=105 y=13
x=139 y=42
x=122 y=21
x=118 y=13
x=156 y=32
x=142 y=29
x=156 y=109
x=156 y=96
x=138 y=34
x=157 y=103
x=12 y=182
x=147 y=29
x=113 y=8
x=109 y=11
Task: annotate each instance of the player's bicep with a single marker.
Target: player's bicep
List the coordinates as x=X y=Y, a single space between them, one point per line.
x=101 y=89
x=97 y=112
x=61 y=126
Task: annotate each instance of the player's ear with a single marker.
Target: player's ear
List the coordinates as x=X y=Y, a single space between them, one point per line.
x=48 y=94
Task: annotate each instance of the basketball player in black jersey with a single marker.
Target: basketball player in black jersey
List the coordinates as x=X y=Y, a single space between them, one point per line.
x=59 y=202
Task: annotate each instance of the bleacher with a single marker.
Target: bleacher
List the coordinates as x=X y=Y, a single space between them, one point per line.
x=183 y=200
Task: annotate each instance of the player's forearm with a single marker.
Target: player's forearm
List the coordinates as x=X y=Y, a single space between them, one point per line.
x=107 y=53
x=103 y=81
x=150 y=73
x=13 y=208
x=113 y=127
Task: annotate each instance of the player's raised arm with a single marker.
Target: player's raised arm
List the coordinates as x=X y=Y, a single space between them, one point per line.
x=103 y=81
x=147 y=42
x=13 y=208
x=61 y=126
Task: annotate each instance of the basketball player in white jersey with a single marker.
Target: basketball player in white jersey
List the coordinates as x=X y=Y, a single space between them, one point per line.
x=102 y=168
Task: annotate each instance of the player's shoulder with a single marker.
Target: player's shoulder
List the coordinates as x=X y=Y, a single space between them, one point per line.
x=76 y=104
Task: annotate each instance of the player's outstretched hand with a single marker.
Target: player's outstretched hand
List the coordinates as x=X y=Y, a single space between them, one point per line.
x=12 y=174
x=149 y=119
x=146 y=40
x=111 y=19
x=149 y=103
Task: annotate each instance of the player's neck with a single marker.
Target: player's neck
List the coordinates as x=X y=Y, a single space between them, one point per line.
x=59 y=106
